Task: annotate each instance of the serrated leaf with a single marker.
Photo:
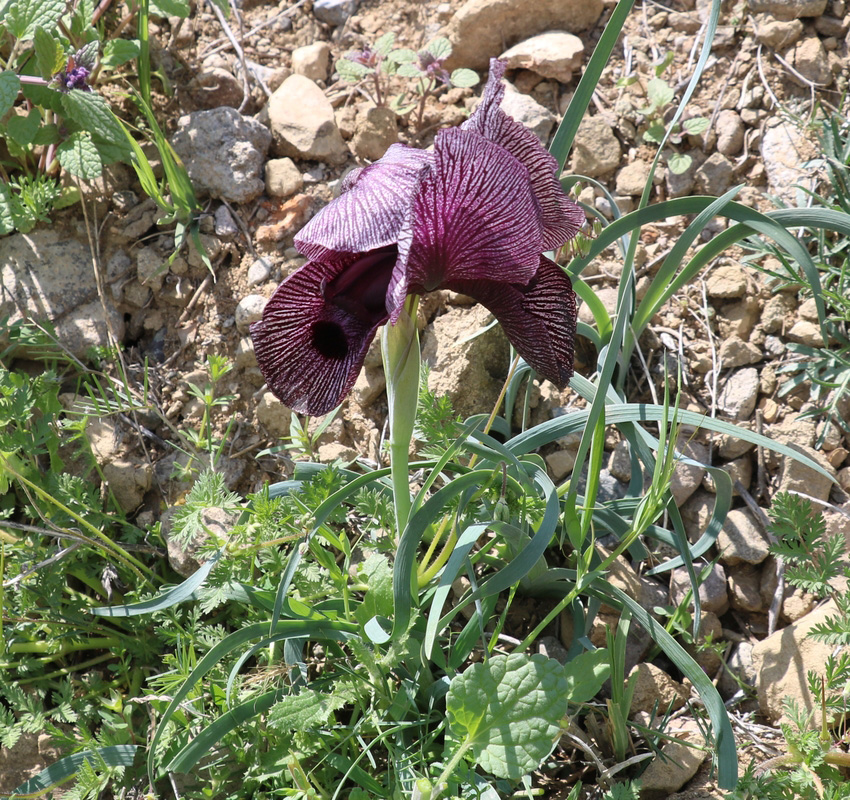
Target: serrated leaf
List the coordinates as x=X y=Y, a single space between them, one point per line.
x=49 y=53
x=695 y=125
x=378 y=600
x=384 y=44
x=585 y=675
x=26 y=15
x=678 y=163
x=169 y=8
x=22 y=130
x=352 y=70
x=507 y=712
x=119 y=51
x=91 y=112
x=43 y=96
x=654 y=133
x=10 y=84
x=439 y=47
x=46 y=134
x=303 y=711
x=403 y=55
x=659 y=92
x=79 y=156
x=409 y=71
x=464 y=78
x=86 y=56
x=7 y=223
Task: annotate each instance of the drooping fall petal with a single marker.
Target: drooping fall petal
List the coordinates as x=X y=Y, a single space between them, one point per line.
x=474 y=216
x=562 y=218
x=539 y=318
x=370 y=212
x=317 y=327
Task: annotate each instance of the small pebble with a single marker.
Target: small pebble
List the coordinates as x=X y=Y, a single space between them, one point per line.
x=259 y=271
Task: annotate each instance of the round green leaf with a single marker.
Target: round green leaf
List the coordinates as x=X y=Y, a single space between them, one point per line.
x=79 y=156
x=439 y=47
x=678 y=163
x=695 y=125
x=464 y=78
x=508 y=712
x=9 y=87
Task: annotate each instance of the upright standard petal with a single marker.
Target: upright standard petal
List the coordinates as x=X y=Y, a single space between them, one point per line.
x=474 y=216
x=317 y=327
x=562 y=218
x=539 y=318
x=370 y=212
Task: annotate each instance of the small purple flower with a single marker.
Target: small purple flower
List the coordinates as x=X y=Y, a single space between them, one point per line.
x=474 y=216
x=433 y=67
x=74 y=78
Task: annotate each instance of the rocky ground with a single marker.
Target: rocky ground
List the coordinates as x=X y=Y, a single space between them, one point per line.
x=267 y=129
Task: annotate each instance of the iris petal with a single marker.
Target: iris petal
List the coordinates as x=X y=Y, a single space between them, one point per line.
x=474 y=216
x=370 y=213
x=562 y=218
x=539 y=318
x=312 y=339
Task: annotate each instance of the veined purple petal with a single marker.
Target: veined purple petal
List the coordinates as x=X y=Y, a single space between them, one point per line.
x=317 y=327
x=539 y=319
x=474 y=217
x=562 y=218
x=370 y=213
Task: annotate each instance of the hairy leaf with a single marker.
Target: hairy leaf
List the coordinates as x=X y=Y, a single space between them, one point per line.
x=80 y=157
x=24 y=16
x=9 y=86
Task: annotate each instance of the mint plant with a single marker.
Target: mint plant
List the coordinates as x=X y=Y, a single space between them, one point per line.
x=374 y=67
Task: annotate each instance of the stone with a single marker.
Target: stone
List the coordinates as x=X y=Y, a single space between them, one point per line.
x=729 y=128
x=738 y=319
x=679 y=184
x=375 y=130
x=334 y=12
x=555 y=54
x=620 y=463
x=283 y=178
x=244 y=356
x=805 y=332
x=687 y=478
x=735 y=352
x=368 y=387
x=696 y=513
x=336 y=452
x=224 y=224
x=712 y=591
x=794 y=476
x=561 y=463
x=596 y=149
x=528 y=113
x=738 y=397
x=469 y=371
x=741 y=540
x=217 y=87
x=47 y=276
x=788 y=9
x=482 y=28
x=259 y=271
x=223 y=153
x=776 y=33
x=274 y=415
x=128 y=481
x=151 y=268
x=784 y=151
x=809 y=58
x=677 y=763
x=632 y=178
x=777 y=312
x=182 y=554
x=312 y=61
x=653 y=685
x=744 y=586
x=302 y=122
x=726 y=283
x=739 y=669
x=714 y=176
x=248 y=310
x=781 y=663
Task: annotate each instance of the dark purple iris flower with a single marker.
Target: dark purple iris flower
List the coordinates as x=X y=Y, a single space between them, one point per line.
x=474 y=215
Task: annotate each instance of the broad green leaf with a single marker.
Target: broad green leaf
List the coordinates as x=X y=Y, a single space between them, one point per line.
x=119 y=51
x=303 y=711
x=402 y=56
x=585 y=675
x=87 y=55
x=49 y=53
x=654 y=133
x=664 y=63
x=91 y=112
x=659 y=92
x=22 y=130
x=464 y=78
x=7 y=220
x=508 y=711
x=119 y=755
x=678 y=163
x=378 y=600
x=352 y=71
x=80 y=157
x=10 y=84
x=43 y=96
x=384 y=44
x=169 y=8
x=47 y=134
x=409 y=70
x=25 y=16
x=439 y=47
x=695 y=125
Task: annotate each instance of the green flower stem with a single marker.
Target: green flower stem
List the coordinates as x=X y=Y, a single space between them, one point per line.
x=400 y=350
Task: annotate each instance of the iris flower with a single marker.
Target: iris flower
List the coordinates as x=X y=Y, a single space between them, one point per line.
x=475 y=215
